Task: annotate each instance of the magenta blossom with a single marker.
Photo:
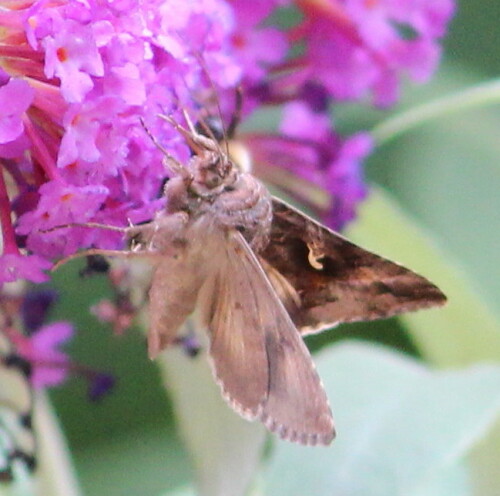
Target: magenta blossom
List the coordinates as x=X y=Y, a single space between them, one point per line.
x=360 y=47
x=36 y=347
x=77 y=77
x=308 y=160
x=41 y=350
x=15 y=98
x=14 y=266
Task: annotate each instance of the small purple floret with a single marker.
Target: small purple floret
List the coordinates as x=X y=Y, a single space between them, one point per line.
x=100 y=385
x=35 y=307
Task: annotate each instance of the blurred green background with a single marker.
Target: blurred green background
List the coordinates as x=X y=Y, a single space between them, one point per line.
x=445 y=174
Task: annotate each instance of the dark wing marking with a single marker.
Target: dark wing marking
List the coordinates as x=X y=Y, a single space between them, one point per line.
x=259 y=358
x=335 y=280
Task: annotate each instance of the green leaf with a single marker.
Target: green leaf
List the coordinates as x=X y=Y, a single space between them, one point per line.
x=482 y=94
x=225 y=449
x=146 y=461
x=465 y=330
x=400 y=426
x=181 y=491
x=453 y=480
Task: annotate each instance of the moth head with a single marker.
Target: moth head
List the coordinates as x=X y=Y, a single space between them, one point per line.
x=212 y=127
x=212 y=169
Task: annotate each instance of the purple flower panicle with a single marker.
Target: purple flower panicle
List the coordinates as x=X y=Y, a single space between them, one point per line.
x=312 y=163
x=35 y=346
x=360 y=47
x=76 y=78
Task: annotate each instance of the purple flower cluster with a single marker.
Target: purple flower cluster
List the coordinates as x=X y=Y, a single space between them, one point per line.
x=359 y=47
x=41 y=350
x=37 y=345
x=77 y=76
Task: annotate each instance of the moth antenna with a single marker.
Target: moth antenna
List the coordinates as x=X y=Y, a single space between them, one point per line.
x=199 y=57
x=99 y=251
x=210 y=134
x=194 y=132
x=201 y=61
x=173 y=164
x=189 y=121
x=201 y=120
x=236 y=117
x=197 y=142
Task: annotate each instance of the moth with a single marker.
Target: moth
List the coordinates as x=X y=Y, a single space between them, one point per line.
x=260 y=275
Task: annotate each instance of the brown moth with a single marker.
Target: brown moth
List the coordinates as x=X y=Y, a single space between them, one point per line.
x=260 y=274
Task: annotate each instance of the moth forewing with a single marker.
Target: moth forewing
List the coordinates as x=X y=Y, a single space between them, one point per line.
x=172 y=298
x=338 y=281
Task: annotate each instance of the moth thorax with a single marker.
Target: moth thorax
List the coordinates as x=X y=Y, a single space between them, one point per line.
x=246 y=207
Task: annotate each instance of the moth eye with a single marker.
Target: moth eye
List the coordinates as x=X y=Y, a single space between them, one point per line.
x=213 y=180
x=211 y=127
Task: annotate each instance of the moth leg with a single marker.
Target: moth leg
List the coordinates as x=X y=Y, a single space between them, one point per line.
x=165 y=234
x=90 y=225
x=130 y=231
x=104 y=252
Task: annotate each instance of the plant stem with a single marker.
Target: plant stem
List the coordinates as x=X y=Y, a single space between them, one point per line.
x=482 y=94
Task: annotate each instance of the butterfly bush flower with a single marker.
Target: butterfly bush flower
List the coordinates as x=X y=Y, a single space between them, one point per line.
x=41 y=350
x=356 y=48
x=78 y=76
x=37 y=344
x=307 y=148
